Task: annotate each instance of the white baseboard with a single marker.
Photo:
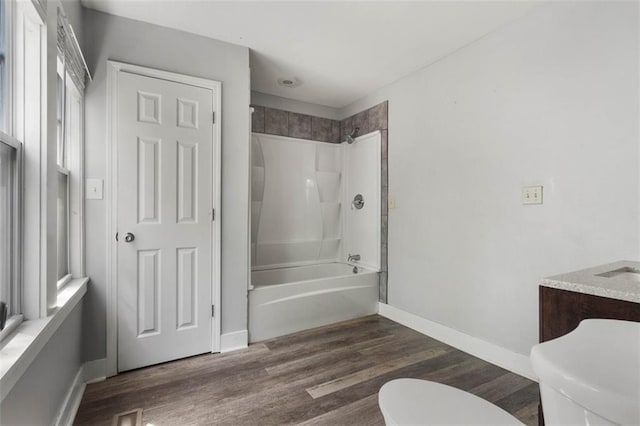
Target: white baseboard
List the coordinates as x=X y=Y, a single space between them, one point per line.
x=94 y=371
x=72 y=400
x=89 y=372
x=502 y=357
x=234 y=341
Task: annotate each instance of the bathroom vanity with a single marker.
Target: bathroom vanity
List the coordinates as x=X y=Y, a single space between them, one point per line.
x=609 y=291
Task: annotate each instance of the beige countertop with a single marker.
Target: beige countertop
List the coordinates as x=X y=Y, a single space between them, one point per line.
x=618 y=280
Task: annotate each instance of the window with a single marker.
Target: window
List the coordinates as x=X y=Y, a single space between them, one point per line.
x=21 y=74
x=9 y=291
x=4 y=73
x=7 y=166
x=63 y=182
x=26 y=287
x=60 y=92
x=69 y=232
x=63 y=224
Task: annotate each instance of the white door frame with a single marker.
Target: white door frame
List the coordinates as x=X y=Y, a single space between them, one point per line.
x=113 y=71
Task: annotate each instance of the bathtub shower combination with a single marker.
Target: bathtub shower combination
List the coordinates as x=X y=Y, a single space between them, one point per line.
x=315 y=233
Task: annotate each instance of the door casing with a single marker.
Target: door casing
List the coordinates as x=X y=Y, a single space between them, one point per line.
x=114 y=69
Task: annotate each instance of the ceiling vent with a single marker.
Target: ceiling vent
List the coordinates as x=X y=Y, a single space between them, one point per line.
x=289 y=82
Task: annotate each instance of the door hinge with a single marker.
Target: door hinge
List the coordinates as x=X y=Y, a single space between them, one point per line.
x=213 y=117
x=213 y=311
x=213 y=215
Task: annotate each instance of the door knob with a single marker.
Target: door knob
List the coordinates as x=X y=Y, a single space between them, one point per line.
x=128 y=237
x=358 y=201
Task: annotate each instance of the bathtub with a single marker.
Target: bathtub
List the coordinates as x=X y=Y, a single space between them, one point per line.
x=287 y=300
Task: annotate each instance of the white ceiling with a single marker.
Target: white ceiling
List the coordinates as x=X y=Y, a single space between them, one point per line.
x=340 y=51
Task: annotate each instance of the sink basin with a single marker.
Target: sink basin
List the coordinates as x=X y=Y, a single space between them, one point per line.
x=625 y=273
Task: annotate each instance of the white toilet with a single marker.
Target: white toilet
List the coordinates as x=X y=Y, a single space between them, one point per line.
x=590 y=376
x=421 y=402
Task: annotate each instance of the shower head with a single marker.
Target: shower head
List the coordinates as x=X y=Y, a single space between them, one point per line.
x=351 y=136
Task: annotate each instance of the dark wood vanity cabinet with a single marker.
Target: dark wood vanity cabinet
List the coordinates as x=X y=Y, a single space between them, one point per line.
x=561 y=311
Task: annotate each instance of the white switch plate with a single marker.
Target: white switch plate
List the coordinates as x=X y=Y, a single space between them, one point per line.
x=392 y=203
x=93 y=189
x=532 y=195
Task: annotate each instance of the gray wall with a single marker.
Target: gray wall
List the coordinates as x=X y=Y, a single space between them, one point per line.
x=551 y=99
x=38 y=396
x=75 y=14
x=126 y=40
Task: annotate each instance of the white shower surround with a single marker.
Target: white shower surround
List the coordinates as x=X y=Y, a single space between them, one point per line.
x=361 y=170
x=301 y=198
x=301 y=201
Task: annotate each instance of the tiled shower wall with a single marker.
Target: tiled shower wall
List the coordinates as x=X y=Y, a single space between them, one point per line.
x=286 y=123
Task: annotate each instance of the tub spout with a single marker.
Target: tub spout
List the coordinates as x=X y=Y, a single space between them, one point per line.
x=353 y=257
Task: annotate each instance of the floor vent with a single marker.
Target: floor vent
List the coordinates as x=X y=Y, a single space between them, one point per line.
x=128 y=418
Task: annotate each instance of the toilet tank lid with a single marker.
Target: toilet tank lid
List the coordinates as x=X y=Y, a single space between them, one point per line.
x=597 y=365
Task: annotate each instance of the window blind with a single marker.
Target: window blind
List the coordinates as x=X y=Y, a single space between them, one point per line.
x=69 y=51
x=41 y=8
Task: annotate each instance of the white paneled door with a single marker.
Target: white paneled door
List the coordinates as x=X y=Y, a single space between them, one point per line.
x=165 y=200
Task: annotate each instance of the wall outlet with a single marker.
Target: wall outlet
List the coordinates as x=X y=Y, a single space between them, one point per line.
x=392 y=203
x=532 y=195
x=93 y=189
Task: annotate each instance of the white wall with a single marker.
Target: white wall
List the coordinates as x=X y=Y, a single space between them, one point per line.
x=126 y=40
x=271 y=101
x=551 y=99
x=39 y=394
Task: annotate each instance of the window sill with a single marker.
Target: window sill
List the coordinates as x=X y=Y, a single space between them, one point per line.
x=20 y=349
x=62 y=282
x=12 y=323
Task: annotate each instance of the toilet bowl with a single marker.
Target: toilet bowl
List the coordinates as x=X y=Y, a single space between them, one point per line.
x=591 y=375
x=421 y=402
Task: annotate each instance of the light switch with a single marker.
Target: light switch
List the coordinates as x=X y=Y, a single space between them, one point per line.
x=392 y=203
x=93 y=189
x=532 y=195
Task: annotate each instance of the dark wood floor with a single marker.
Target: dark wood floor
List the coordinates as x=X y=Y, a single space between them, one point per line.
x=330 y=375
